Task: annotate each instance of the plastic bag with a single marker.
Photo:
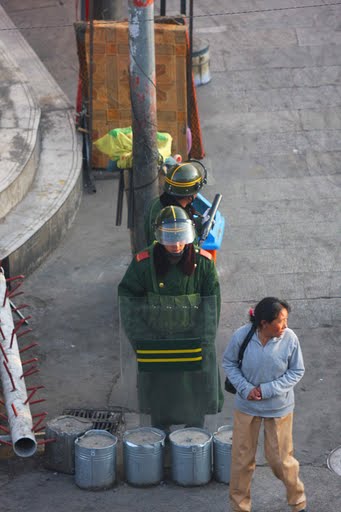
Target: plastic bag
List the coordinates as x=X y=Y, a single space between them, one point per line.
x=117 y=144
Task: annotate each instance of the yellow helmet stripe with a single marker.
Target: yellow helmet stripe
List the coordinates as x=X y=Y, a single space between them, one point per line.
x=177 y=168
x=180 y=351
x=187 y=184
x=183 y=184
x=177 y=360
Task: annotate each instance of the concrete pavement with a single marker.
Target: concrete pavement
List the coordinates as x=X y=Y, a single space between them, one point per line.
x=271 y=126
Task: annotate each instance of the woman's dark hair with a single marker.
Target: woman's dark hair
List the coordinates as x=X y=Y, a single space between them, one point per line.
x=267 y=309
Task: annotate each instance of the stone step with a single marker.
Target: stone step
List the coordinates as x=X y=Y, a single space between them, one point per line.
x=19 y=128
x=41 y=206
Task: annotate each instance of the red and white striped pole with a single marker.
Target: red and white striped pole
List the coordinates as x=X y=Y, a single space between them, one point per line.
x=21 y=428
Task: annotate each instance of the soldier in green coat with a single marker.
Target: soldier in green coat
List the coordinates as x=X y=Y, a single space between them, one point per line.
x=169 y=304
x=182 y=183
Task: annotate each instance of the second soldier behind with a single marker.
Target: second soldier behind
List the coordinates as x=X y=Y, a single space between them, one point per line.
x=182 y=183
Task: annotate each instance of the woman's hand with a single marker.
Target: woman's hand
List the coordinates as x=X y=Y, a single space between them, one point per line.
x=255 y=394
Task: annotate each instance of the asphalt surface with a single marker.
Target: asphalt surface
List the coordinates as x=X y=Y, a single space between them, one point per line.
x=271 y=127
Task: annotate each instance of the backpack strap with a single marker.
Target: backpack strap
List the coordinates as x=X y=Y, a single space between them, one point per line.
x=245 y=343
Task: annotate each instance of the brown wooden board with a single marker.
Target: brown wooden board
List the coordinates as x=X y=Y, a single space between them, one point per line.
x=111 y=107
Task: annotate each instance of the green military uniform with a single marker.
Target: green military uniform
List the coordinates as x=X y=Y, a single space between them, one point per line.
x=181 y=312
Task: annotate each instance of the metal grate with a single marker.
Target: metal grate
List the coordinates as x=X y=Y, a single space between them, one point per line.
x=112 y=421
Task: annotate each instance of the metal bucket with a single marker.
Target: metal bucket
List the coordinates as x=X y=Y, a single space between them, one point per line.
x=95 y=460
x=201 y=62
x=222 y=448
x=143 y=455
x=191 y=452
x=60 y=455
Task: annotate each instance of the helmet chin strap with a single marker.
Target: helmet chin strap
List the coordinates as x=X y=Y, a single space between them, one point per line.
x=177 y=253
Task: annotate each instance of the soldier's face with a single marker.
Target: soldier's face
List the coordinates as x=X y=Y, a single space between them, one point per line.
x=186 y=200
x=191 y=198
x=175 y=248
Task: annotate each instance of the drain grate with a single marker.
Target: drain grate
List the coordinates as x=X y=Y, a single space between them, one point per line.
x=112 y=421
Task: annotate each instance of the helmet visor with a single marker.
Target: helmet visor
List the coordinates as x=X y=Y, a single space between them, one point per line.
x=171 y=232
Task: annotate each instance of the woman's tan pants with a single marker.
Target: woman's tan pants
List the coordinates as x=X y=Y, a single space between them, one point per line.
x=278 y=449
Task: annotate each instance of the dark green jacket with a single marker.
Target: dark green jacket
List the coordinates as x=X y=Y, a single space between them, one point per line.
x=175 y=397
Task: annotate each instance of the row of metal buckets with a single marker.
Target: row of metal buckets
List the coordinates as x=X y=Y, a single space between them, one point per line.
x=196 y=455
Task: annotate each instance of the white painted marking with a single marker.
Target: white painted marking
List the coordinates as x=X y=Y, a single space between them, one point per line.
x=211 y=30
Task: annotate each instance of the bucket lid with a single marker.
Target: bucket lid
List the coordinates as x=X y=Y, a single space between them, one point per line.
x=190 y=437
x=200 y=46
x=96 y=439
x=68 y=424
x=334 y=460
x=144 y=436
x=224 y=434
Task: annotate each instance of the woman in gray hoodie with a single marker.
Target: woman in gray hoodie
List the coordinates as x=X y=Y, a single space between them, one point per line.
x=271 y=367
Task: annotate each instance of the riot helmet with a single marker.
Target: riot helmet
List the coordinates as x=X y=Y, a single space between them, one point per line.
x=173 y=226
x=185 y=179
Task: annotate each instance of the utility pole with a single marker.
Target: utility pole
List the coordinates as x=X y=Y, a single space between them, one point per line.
x=144 y=175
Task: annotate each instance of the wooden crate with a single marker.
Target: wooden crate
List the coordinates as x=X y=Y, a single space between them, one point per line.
x=111 y=93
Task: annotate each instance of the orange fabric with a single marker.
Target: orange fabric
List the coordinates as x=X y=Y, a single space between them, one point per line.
x=213 y=252
x=207 y=254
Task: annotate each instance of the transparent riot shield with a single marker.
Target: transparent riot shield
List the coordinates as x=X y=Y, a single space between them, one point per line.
x=169 y=369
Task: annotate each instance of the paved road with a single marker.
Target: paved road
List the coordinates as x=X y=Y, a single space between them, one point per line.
x=271 y=125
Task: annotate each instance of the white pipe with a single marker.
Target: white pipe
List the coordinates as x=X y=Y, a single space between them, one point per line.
x=18 y=413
